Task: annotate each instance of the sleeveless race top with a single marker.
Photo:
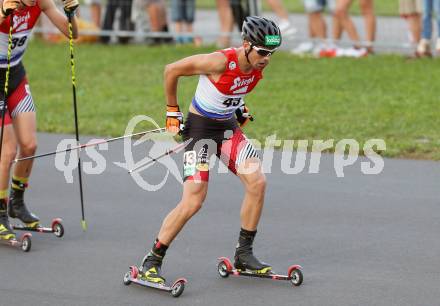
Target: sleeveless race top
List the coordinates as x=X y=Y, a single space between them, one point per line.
x=23 y=22
x=220 y=99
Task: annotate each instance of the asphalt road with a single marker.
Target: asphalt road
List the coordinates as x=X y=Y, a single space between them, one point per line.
x=361 y=239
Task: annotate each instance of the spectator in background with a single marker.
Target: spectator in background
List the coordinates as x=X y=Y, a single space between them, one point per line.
x=241 y=9
x=284 y=24
x=125 y=23
x=157 y=15
x=226 y=23
x=182 y=14
x=424 y=47
x=367 y=10
x=228 y=10
x=317 y=27
x=95 y=11
x=411 y=10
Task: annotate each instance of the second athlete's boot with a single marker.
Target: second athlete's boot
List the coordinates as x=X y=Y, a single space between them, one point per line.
x=17 y=209
x=6 y=232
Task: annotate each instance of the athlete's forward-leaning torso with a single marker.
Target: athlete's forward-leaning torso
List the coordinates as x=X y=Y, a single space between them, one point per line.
x=220 y=99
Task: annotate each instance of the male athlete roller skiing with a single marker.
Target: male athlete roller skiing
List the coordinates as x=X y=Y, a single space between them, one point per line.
x=19 y=117
x=213 y=127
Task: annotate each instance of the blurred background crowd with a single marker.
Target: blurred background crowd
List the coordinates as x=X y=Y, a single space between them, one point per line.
x=418 y=14
x=324 y=28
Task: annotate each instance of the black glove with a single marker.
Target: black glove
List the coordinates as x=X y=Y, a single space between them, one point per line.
x=243 y=116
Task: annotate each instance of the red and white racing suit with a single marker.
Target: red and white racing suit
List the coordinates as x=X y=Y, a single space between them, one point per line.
x=216 y=131
x=19 y=98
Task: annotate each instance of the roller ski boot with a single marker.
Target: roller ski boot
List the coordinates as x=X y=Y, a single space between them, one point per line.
x=246 y=264
x=246 y=261
x=149 y=275
x=7 y=235
x=151 y=269
x=17 y=209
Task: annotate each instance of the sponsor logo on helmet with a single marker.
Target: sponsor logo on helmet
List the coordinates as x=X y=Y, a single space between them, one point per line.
x=272 y=40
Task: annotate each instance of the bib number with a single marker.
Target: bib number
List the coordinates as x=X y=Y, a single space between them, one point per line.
x=189 y=163
x=18 y=42
x=232 y=102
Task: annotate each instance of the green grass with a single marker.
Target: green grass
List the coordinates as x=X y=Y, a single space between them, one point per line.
x=382 y=7
x=377 y=97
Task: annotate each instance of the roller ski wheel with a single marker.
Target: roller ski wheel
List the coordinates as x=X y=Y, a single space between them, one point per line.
x=133 y=276
x=56 y=228
x=224 y=268
x=294 y=274
x=24 y=243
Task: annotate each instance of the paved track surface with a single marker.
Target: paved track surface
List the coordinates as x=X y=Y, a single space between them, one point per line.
x=362 y=240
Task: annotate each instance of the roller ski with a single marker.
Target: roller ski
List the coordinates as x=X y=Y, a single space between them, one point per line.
x=134 y=276
x=148 y=275
x=24 y=242
x=56 y=228
x=294 y=274
x=7 y=235
x=17 y=209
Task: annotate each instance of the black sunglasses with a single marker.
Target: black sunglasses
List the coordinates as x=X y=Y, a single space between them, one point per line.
x=263 y=52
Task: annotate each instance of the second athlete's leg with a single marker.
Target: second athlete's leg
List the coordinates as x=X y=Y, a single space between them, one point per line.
x=8 y=154
x=25 y=126
x=25 y=130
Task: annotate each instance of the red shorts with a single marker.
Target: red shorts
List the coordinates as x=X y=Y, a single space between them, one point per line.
x=18 y=101
x=223 y=138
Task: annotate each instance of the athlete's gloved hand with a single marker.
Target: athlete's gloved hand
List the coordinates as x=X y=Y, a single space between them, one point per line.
x=70 y=7
x=174 y=122
x=243 y=116
x=9 y=6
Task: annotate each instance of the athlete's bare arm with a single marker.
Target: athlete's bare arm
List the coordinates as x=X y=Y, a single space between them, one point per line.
x=212 y=64
x=58 y=18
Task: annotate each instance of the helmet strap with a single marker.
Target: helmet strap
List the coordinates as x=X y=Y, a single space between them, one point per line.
x=246 y=53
